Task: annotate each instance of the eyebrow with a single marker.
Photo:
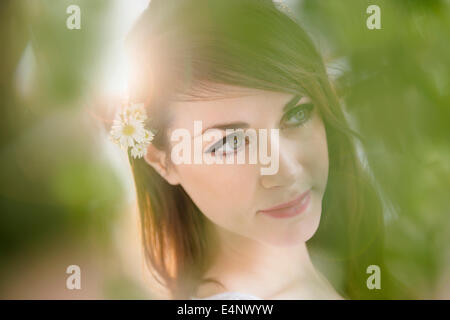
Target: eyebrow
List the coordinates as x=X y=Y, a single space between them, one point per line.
x=224 y=126
x=292 y=103
x=239 y=124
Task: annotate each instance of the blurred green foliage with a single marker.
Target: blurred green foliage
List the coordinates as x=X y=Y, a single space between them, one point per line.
x=56 y=186
x=395 y=82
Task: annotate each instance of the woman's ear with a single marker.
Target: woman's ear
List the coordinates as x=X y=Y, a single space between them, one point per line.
x=159 y=161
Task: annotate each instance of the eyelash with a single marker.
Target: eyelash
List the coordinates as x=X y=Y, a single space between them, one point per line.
x=223 y=142
x=304 y=107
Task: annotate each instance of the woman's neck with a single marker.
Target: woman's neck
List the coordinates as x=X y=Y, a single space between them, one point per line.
x=270 y=272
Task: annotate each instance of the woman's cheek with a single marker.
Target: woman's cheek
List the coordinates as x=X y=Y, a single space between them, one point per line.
x=319 y=158
x=218 y=189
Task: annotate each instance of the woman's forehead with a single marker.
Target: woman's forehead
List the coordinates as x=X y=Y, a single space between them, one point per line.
x=216 y=91
x=236 y=101
x=249 y=105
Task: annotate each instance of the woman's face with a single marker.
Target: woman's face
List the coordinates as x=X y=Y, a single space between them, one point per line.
x=232 y=195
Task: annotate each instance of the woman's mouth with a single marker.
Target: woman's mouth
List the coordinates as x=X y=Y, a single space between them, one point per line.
x=291 y=208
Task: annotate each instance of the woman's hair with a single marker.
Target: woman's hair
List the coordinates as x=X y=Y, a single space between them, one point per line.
x=183 y=50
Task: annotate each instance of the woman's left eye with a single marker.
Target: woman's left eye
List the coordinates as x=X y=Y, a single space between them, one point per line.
x=229 y=144
x=297 y=116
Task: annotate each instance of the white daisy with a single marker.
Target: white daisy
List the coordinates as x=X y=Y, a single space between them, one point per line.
x=127 y=130
x=139 y=150
x=137 y=111
x=148 y=136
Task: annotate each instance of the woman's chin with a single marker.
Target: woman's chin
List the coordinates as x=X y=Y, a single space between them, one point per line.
x=293 y=238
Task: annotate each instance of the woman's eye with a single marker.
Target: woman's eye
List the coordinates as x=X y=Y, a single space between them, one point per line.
x=229 y=144
x=297 y=116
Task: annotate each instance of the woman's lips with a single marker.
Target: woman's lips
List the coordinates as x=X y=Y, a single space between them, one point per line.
x=291 y=208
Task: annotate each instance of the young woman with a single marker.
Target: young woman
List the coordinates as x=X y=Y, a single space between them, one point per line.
x=214 y=229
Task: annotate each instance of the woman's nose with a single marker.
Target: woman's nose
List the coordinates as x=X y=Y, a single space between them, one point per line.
x=289 y=170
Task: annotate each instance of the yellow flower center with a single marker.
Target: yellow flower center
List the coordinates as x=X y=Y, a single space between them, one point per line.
x=128 y=130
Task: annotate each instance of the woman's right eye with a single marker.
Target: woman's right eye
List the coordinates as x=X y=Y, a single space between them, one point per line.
x=229 y=144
